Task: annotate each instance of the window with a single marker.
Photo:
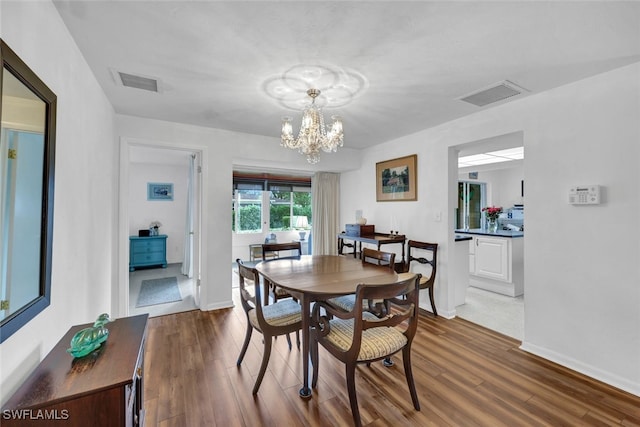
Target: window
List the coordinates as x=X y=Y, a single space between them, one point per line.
x=279 y=204
x=471 y=198
x=247 y=209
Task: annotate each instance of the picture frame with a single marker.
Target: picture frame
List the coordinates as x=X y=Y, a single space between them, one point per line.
x=159 y=191
x=397 y=179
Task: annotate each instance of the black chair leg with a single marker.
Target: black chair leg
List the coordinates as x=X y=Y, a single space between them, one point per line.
x=433 y=302
x=406 y=359
x=265 y=362
x=289 y=342
x=245 y=345
x=387 y=362
x=353 y=399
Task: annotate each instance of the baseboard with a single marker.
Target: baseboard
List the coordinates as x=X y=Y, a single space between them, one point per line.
x=218 y=306
x=588 y=370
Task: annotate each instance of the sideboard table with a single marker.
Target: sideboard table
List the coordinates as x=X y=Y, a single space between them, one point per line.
x=377 y=239
x=103 y=389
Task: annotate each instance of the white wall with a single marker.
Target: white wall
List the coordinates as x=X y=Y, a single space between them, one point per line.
x=85 y=197
x=170 y=213
x=581 y=263
x=503 y=185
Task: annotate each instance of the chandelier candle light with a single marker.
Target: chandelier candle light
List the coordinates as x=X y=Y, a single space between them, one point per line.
x=313 y=136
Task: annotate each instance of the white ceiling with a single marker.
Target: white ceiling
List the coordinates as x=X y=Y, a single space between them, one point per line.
x=214 y=59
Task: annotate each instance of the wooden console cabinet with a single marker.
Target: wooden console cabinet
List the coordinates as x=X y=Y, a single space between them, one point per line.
x=104 y=388
x=147 y=251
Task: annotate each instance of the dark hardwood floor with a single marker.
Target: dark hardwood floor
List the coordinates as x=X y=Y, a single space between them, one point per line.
x=465 y=374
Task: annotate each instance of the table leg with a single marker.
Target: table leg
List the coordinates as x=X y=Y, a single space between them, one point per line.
x=305 y=391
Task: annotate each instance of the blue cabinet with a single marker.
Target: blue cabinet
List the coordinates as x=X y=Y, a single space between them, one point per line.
x=147 y=251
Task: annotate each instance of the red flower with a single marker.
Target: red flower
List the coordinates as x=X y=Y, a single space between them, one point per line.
x=492 y=212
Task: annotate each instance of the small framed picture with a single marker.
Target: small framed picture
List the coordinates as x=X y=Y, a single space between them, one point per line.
x=396 y=179
x=159 y=191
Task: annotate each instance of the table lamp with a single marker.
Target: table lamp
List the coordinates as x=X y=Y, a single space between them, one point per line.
x=302 y=222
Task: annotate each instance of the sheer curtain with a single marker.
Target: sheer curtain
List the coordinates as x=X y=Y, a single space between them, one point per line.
x=325 y=196
x=187 y=262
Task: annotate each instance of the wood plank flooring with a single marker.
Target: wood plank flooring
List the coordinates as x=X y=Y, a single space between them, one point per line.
x=465 y=374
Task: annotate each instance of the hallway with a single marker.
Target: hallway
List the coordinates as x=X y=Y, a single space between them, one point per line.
x=184 y=283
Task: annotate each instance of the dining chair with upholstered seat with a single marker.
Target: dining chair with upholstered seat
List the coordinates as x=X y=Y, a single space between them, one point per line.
x=357 y=336
x=426 y=254
x=268 y=249
x=369 y=256
x=279 y=318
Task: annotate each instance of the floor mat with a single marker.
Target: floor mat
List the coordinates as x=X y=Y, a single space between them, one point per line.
x=159 y=291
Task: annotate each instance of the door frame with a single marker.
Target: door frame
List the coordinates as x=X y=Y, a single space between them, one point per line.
x=120 y=297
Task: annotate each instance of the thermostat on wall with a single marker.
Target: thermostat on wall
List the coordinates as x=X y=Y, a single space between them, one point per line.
x=585 y=195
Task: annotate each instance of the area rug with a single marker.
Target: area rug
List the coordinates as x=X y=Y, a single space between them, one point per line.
x=158 y=291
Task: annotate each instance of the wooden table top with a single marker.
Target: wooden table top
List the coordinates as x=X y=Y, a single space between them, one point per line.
x=324 y=275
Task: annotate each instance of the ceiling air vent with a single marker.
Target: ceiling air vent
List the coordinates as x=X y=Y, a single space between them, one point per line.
x=136 y=81
x=494 y=93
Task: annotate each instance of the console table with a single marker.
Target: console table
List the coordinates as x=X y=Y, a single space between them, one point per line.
x=377 y=239
x=147 y=251
x=104 y=388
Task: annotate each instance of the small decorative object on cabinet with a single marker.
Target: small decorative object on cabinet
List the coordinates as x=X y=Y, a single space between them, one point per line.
x=89 y=339
x=147 y=251
x=103 y=389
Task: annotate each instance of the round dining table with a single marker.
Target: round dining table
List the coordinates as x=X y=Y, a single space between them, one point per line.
x=313 y=278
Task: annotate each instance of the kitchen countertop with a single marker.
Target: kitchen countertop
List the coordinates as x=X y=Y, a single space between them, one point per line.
x=497 y=233
x=462 y=237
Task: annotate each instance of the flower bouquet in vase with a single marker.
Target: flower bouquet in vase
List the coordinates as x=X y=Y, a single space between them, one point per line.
x=492 y=213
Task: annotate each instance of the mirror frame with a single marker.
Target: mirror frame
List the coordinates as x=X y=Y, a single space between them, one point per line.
x=10 y=61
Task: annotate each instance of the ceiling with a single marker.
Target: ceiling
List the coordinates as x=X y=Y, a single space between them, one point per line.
x=216 y=61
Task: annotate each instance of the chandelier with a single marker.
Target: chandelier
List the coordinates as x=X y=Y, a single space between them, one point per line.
x=313 y=136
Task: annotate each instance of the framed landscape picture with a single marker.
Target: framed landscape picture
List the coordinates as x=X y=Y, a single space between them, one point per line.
x=396 y=179
x=159 y=191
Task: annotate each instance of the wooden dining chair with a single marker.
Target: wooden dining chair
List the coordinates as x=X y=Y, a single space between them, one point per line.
x=369 y=256
x=426 y=254
x=279 y=318
x=268 y=249
x=357 y=336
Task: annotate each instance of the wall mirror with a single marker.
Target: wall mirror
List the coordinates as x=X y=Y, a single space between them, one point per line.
x=27 y=157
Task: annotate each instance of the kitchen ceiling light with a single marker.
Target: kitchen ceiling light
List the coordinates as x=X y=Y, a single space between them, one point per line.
x=506 y=155
x=313 y=136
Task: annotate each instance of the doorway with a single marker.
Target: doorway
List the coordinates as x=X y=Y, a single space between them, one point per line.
x=174 y=286
x=479 y=185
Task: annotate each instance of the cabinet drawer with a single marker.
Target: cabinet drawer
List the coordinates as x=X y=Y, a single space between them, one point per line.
x=142 y=246
x=147 y=258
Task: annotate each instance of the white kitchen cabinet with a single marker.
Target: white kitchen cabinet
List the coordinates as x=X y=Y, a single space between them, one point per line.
x=496 y=264
x=493 y=258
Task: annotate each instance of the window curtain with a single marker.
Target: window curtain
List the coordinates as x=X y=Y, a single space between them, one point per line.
x=325 y=196
x=187 y=260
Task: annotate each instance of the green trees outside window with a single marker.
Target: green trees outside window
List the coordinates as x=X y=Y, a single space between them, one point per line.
x=249 y=209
